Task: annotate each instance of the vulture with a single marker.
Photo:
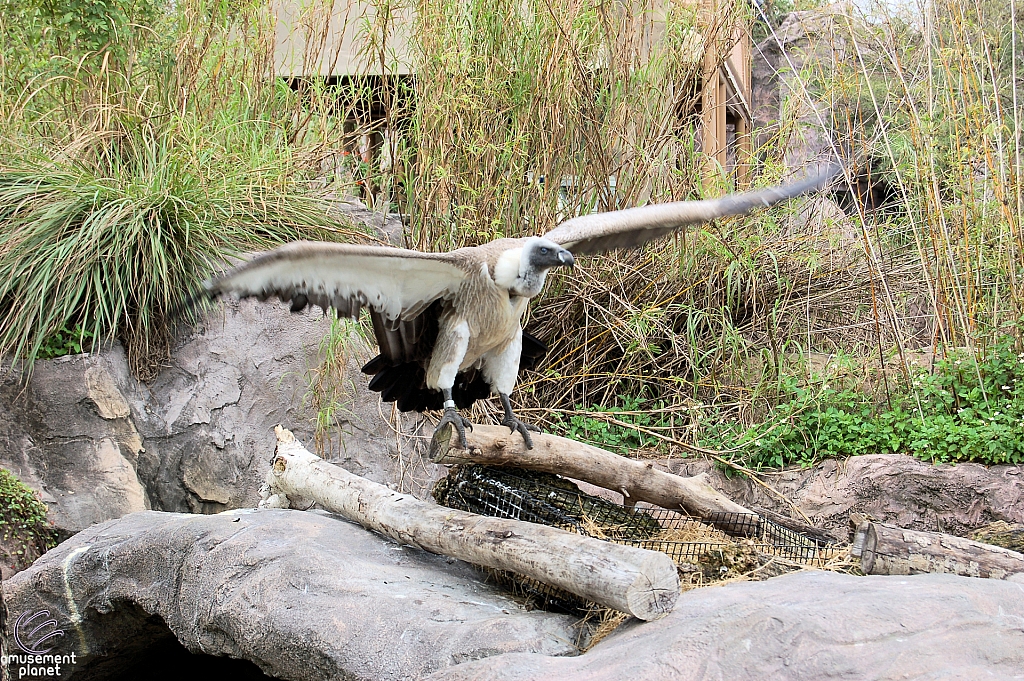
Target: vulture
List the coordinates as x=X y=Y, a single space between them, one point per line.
x=448 y=325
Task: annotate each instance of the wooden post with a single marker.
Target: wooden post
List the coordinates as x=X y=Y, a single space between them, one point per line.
x=635 y=480
x=886 y=550
x=636 y=581
x=743 y=152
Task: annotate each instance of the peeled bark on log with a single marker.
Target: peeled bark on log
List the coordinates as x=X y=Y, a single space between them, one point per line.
x=886 y=550
x=1001 y=533
x=636 y=581
x=635 y=480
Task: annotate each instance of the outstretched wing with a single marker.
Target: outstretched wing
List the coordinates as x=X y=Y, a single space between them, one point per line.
x=602 y=232
x=397 y=283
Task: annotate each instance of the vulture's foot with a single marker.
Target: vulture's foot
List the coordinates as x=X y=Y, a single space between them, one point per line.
x=452 y=416
x=514 y=424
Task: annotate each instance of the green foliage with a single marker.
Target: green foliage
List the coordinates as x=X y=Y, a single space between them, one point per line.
x=969 y=408
x=23 y=517
x=597 y=426
x=85 y=26
x=67 y=342
x=768 y=15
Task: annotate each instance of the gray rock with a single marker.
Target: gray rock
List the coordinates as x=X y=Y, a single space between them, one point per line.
x=807 y=625
x=387 y=226
x=819 y=36
x=207 y=419
x=303 y=595
x=376 y=441
x=891 y=488
x=69 y=435
x=97 y=444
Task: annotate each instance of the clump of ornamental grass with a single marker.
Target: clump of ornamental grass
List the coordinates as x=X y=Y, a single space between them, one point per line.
x=132 y=170
x=113 y=244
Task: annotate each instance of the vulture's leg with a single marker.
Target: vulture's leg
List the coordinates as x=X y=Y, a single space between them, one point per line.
x=514 y=424
x=452 y=416
x=501 y=369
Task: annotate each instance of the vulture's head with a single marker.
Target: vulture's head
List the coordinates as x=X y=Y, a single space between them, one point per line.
x=541 y=254
x=522 y=270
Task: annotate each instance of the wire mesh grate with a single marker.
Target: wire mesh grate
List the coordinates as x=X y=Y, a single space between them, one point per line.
x=692 y=543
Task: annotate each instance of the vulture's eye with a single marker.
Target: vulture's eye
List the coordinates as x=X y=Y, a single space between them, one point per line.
x=544 y=250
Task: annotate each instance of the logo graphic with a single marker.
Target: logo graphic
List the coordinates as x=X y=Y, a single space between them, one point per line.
x=35 y=632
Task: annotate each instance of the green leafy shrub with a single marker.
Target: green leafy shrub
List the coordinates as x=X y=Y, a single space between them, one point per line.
x=90 y=29
x=67 y=342
x=621 y=429
x=968 y=408
x=24 y=529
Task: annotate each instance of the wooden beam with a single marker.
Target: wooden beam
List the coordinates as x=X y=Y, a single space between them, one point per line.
x=636 y=581
x=635 y=480
x=743 y=152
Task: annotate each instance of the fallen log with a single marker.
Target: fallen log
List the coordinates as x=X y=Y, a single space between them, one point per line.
x=635 y=480
x=636 y=581
x=887 y=550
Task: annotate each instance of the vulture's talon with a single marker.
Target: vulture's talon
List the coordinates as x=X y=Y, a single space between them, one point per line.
x=516 y=426
x=460 y=422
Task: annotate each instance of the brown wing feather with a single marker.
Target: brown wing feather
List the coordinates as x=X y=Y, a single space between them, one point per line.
x=397 y=283
x=632 y=227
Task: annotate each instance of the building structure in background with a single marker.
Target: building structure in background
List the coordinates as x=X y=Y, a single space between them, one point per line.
x=725 y=105
x=338 y=51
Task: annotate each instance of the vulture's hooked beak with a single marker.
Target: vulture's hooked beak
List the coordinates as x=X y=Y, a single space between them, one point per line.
x=565 y=257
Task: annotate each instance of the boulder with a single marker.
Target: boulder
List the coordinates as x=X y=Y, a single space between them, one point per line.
x=778 y=96
x=207 y=419
x=302 y=595
x=807 y=625
x=97 y=444
x=386 y=226
x=69 y=435
x=891 y=488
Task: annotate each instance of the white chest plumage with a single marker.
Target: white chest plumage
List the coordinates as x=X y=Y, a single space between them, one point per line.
x=506 y=270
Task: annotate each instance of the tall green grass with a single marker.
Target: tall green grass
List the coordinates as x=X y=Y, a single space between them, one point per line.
x=133 y=163
x=114 y=249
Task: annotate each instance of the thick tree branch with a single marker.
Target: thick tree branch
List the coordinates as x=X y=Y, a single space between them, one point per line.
x=636 y=581
x=635 y=480
x=886 y=550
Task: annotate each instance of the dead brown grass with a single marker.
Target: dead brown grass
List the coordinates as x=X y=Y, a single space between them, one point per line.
x=726 y=561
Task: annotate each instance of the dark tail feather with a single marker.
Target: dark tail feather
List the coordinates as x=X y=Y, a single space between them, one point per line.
x=186 y=308
x=376 y=365
x=386 y=378
x=399 y=381
x=406 y=385
x=534 y=350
